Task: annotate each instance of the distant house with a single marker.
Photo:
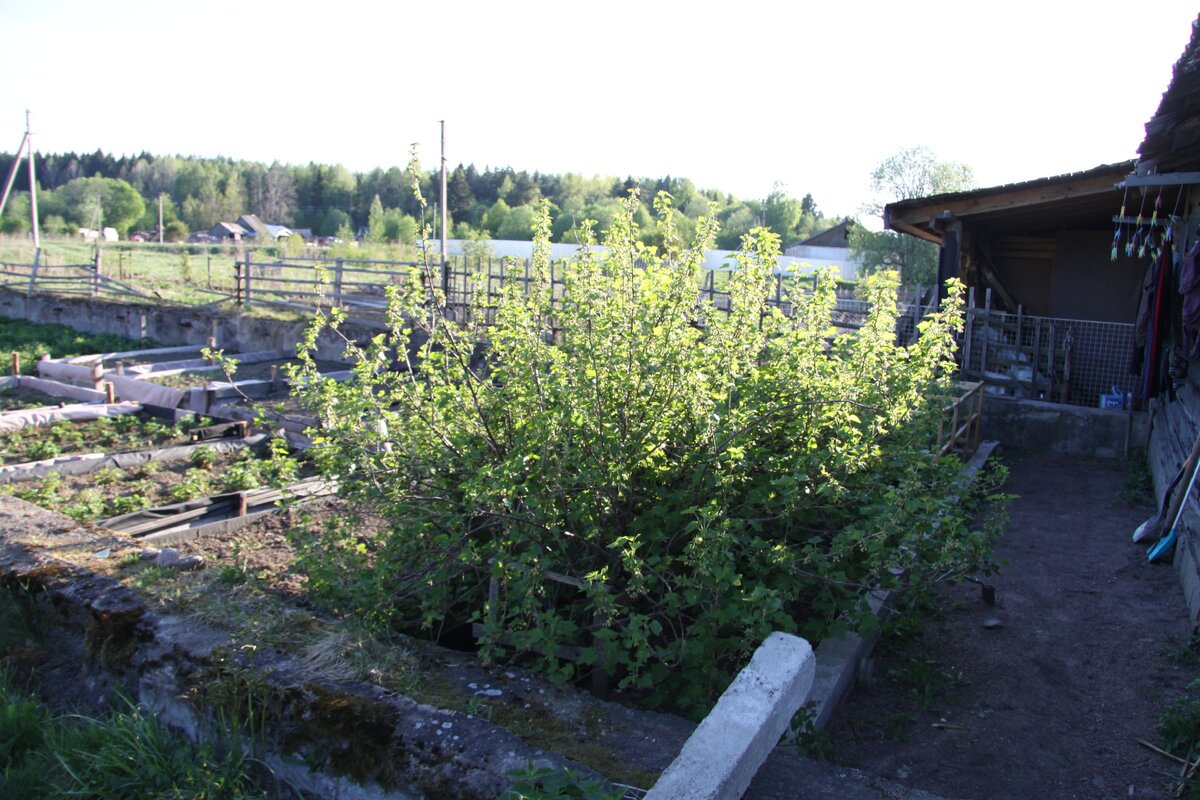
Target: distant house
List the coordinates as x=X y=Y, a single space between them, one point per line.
x=227 y=232
x=255 y=228
x=837 y=236
x=306 y=234
x=830 y=247
x=252 y=225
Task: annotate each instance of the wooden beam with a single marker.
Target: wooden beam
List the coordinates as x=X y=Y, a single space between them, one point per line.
x=966 y=204
x=913 y=230
x=1165 y=179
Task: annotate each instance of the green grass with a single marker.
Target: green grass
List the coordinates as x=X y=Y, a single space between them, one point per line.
x=122 y=753
x=31 y=339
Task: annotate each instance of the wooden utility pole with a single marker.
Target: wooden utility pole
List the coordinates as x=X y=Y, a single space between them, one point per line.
x=160 y=229
x=37 y=243
x=445 y=260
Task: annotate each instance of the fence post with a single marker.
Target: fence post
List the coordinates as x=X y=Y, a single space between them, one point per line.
x=337 y=284
x=446 y=283
x=248 y=298
x=237 y=282
x=37 y=259
x=96 y=274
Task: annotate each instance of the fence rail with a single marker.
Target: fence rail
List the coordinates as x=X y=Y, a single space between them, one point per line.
x=81 y=279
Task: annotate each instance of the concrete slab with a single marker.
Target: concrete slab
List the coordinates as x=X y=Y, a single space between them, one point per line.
x=720 y=758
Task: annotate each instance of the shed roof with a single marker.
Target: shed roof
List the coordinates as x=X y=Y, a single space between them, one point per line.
x=1078 y=200
x=1172 y=140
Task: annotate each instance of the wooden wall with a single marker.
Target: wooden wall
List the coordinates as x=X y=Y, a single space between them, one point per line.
x=1175 y=425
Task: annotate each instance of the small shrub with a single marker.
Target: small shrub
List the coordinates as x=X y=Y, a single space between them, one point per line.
x=195 y=483
x=43 y=449
x=542 y=783
x=108 y=476
x=244 y=475
x=203 y=457
x=1178 y=728
x=88 y=504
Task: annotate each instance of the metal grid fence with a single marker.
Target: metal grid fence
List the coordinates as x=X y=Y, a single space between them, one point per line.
x=1061 y=360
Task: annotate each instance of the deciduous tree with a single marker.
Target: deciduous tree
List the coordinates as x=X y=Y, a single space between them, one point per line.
x=906 y=175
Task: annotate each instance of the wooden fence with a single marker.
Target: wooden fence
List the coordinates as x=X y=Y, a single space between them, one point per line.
x=358 y=286
x=78 y=279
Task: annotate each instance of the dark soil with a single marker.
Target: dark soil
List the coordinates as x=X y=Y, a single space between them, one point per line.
x=1044 y=695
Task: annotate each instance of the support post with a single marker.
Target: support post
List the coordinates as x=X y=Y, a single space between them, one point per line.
x=950 y=254
x=337 y=283
x=16 y=363
x=96 y=273
x=248 y=298
x=33 y=271
x=237 y=283
x=445 y=258
x=33 y=210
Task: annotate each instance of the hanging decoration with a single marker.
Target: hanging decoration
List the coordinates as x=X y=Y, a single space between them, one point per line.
x=1153 y=234
x=1135 y=241
x=1120 y=220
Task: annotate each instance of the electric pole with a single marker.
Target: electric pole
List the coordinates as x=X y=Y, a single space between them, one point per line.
x=445 y=259
x=37 y=243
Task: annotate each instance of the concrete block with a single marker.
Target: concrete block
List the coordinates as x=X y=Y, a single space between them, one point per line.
x=719 y=759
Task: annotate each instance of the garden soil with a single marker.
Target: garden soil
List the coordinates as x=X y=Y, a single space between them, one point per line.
x=1046 y=694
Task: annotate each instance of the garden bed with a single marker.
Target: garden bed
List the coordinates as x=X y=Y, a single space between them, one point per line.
x=112 y=491
x=17 y=398
x=122 y=433
x=201 y=377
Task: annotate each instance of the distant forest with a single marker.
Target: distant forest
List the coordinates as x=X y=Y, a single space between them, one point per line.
x=99 y=190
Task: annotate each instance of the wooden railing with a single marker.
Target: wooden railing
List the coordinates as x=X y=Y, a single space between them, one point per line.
x=965 y=415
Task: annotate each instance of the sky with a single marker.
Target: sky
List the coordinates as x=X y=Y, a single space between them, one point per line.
x=737 y=97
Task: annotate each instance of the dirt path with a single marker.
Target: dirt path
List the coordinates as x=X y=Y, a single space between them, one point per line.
x=1089 y=650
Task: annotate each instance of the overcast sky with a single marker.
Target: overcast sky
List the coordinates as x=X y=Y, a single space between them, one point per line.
x=736 y=96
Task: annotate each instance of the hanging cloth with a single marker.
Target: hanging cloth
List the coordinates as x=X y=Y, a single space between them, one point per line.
x=1158 y=332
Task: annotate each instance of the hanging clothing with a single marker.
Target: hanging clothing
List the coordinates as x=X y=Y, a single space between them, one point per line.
x=1157 y=322
x=1189 y=291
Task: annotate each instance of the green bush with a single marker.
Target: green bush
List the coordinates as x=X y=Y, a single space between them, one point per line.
x=653 y=481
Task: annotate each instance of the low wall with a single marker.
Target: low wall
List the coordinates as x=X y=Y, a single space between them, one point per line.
x=1058 y=428
x=172 y=324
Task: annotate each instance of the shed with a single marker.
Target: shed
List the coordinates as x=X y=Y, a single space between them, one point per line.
x=829 y=247
x=1169 y=164
x=252 y=225
x=227 y=232
x=1043 y=245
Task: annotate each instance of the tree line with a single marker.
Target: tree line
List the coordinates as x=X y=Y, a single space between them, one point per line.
x=97 y=189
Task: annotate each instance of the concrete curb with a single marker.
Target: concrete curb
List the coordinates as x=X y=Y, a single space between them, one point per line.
x=720 y=758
